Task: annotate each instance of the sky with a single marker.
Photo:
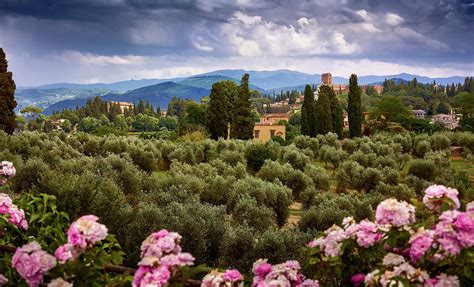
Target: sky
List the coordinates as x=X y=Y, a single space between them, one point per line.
x=88 y=41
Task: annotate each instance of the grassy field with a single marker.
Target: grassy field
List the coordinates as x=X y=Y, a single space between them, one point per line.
x=465 y=165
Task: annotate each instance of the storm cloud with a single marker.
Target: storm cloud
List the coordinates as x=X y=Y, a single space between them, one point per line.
x=110 y=40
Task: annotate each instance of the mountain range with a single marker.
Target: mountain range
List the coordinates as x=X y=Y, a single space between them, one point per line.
x=53 y=97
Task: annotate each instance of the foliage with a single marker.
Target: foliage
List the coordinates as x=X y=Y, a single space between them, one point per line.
x=7 y=99
x=308 y=113
x=354 y=108
x=243 y=122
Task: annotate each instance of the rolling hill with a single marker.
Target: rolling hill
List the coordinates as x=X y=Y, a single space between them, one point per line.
x=157 y=95
x=207 y=82
x=159 y=91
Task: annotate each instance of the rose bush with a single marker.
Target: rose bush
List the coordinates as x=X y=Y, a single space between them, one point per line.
x=398 y=250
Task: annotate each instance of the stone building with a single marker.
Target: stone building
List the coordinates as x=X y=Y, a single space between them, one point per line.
x=265 y=131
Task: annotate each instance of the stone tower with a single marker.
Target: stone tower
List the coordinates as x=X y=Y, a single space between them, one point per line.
x=326 y=79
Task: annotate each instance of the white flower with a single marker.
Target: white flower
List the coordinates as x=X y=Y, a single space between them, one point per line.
x=392 y=259
x=59 y=282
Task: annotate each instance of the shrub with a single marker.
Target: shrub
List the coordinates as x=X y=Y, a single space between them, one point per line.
x=331 y=155
x=440 y=141
x=349 y=146
x=297 y=159
x=305 y=142
x=422 y=148
x=237 y=248
x=248 y=212
x=232 y=157
x=424 y=169
x=318 y=176
x=322 y=217
x=217 y=190
x=256 y=154
x=271 y=195
x=296 y=180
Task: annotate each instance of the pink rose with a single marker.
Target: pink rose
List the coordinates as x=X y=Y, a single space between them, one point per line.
x=232 y=275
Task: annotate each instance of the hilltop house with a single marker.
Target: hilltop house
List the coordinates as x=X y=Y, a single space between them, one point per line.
x=122 y=105
x=419 y=114
x=449 y=121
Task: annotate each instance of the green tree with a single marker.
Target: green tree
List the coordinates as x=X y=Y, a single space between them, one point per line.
x=243 y=124
x=466 y=103
x=323 y=110
x=354 y=108
x=392 y=108
x=7 y=96
x=31 y=112
x=308 y=113
x=220 y=107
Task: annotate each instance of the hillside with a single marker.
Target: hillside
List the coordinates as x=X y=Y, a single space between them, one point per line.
x=157 y=95
x=206 y=82
x=44 y=98
x=122 y=86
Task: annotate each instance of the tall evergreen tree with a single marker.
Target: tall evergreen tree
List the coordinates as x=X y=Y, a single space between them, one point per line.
x=323 y=111
x=7 y=96
x=304 y=122
x=308 y=113
x=218 y=112
x=243 y=123
x=354 y=108
x=337 y=121
x=141 y=106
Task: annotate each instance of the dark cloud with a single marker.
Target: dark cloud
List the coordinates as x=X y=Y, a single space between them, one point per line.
x=423 y=32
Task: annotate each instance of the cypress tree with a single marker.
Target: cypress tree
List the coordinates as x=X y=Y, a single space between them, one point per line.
x=243 y=124
x=141 y=106
x=218 y=112
x=323 y=111
x=354 y=108
x=337 y=120
x=304 y=121
x=7 y=96
x=308 y=116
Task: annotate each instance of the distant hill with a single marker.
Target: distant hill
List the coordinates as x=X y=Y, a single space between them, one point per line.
x=268 y=82
x=364 y=80
x=158 y=95
x=43 y=98
x=207 y=81
x=270 y=79
x=122 y=86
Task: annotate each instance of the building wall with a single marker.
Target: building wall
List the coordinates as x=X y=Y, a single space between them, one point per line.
x=274 y=119
x=264 y=133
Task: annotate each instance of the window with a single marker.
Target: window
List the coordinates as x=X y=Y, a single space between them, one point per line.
x=256 y=134
x=272 y=133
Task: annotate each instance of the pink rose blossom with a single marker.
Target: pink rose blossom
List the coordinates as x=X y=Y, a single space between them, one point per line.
x=31 y=262
x=64 y=253
x=420 y=242
x=464 y=224
x=442 y=280
x=161 y=256
x=394 y=212
x=285 y=274
x=151 y=276
x=86 y=231
x=3 y=280
x=232 y=275
x=367 y=234
x=435 y=194
x=358 y=279
x=5 y=203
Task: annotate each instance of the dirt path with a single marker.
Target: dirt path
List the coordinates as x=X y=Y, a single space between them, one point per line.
x=295 y=215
